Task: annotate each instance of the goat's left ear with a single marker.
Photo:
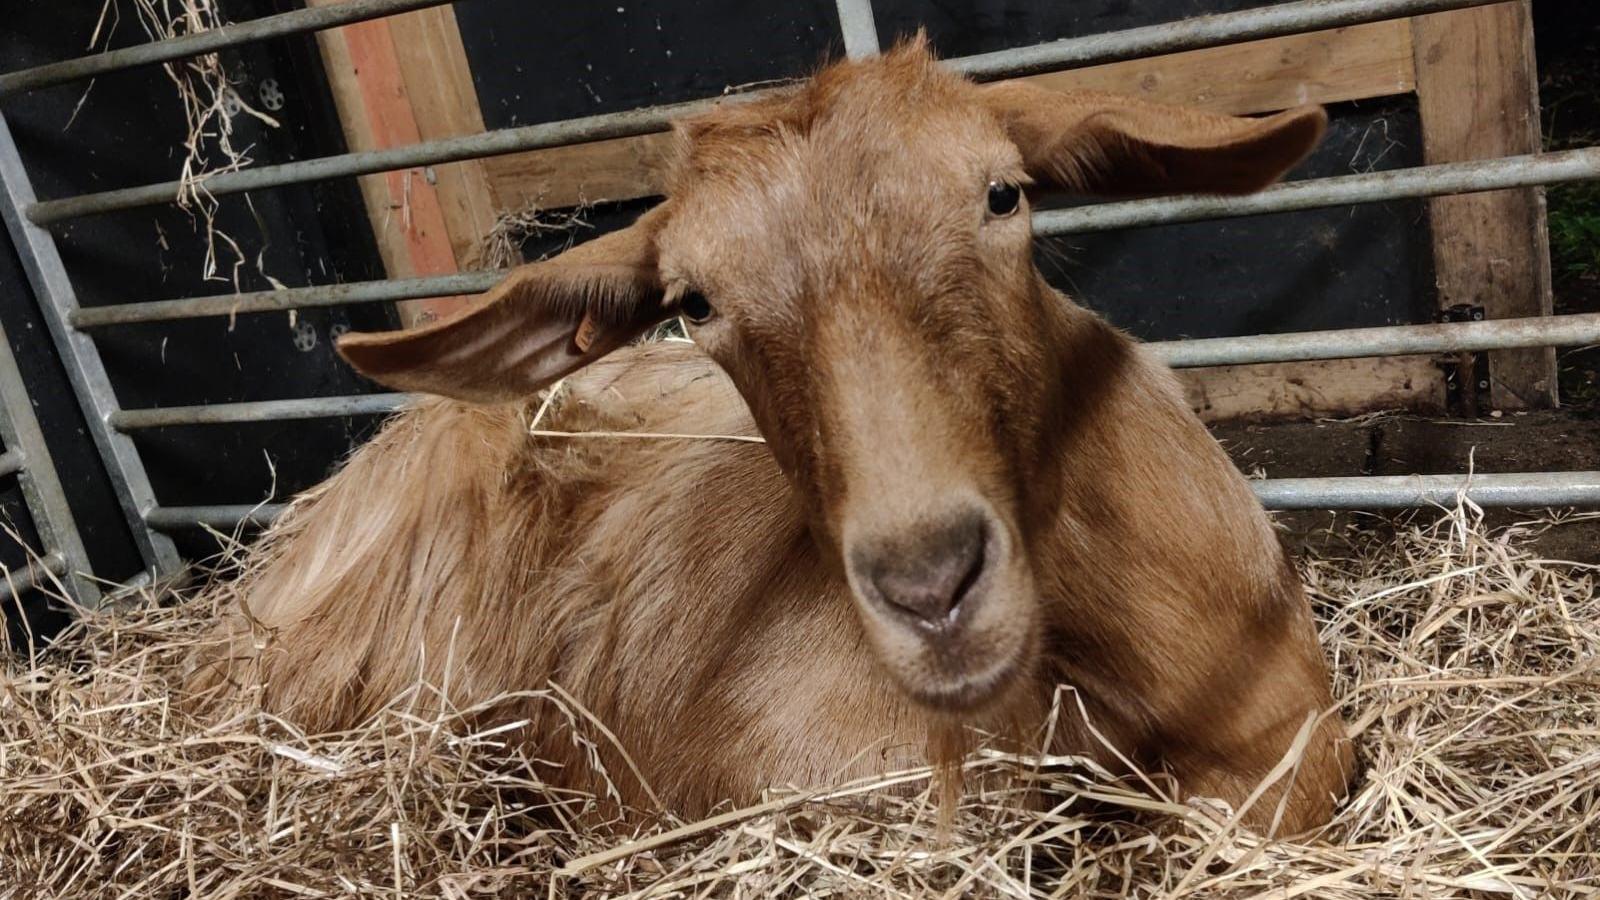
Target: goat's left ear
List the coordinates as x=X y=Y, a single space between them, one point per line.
x=544 y=321
x=1104 y=144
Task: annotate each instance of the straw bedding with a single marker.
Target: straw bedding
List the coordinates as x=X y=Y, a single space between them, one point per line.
x=1469 y=672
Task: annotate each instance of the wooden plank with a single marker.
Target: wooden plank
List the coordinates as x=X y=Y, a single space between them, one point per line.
x=1335 y=387
x=617 y=169
x=1260 y=76
x=375 y=108
x=1477 y=87
x=347 y=99
x=1355 y=63
x=444 y=103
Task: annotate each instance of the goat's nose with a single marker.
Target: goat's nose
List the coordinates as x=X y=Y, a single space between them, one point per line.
x=927 y=575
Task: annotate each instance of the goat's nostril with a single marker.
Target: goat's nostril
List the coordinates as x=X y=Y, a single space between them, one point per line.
x=930 y=580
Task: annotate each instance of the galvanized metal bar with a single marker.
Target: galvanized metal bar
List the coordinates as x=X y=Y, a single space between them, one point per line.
x=223 y=517
x=296 y=21
x=15 y=584
x=1397 y=340
x=1394 y=340
x=57 y=299
x=1527 y=489
x=287 y=299
x=1276 y=20
x=1206 y=31
x=1422 y=181
x=1523 y=489
x=259 y=411
x=858 y=27
x=29 y=455
x=427 y=153
x=1374 y=187
x=10 y=462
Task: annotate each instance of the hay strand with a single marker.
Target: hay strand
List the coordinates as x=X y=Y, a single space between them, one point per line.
x=1469 y=671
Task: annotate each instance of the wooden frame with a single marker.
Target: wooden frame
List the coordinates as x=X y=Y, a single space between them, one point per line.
x=1478 y=89
x=407 y=77
x=398 y=81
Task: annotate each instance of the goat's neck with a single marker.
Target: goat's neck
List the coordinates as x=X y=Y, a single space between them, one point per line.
x=1086 y=397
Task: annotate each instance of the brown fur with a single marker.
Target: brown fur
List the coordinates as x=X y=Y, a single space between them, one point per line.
x=711 y=601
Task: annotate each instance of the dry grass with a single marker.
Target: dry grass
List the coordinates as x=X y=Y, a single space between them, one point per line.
x=209 y=145
x=501 y=247
x=1470 y=673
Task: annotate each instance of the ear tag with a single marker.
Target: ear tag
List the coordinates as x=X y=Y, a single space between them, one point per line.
x=583 y=339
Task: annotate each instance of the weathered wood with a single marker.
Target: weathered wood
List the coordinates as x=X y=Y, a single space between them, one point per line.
x=1322 y=67
x=444 y=103
x=1335 y=387
x=364 y=74
x=618 y=169
x=1478 y=92
x=1343 y=64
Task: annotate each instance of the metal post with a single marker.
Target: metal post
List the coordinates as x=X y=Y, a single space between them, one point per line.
x=294 y=22
x=1346 y=343
x=1520 y=489
x=856 y=21
x=57 y=300
x=221 y=517
x=859 y=30
x=1519 y=171
x=287 y=299
x=28 y=456
x=1528 y=489
x=33 y=574
x=1389 y=340
x=1373 y=187
x=473 y=146
x=260 y=411
x=1273 y=20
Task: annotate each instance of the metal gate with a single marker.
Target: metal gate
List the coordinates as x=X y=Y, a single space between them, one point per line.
x=73 y=328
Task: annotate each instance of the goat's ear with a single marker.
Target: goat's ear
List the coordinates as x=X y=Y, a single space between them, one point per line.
x=1104 y=144
x=545 y=320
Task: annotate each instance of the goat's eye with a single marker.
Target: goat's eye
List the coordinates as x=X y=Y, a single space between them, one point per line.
x=1003 y=198
x=695 y=307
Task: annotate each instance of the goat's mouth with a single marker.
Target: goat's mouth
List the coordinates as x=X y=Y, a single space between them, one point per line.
x=961 y=664
x=968 y=689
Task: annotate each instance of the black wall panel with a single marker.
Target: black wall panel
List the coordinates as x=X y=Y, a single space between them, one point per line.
x=1331 y=268
x=1341 y=267
x=579 y=59
x=544 y=62
x=125 y=129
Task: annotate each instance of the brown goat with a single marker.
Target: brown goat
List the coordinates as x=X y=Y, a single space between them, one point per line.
x=970 y=490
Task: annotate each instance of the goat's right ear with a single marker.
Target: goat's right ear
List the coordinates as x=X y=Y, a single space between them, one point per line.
x=544 y=321
x=1106 y=145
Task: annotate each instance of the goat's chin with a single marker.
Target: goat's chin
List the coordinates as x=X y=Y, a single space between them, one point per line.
x=959 y=672
x=967 y=692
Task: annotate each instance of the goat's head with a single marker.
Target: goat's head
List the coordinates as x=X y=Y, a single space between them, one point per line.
x=856 y=254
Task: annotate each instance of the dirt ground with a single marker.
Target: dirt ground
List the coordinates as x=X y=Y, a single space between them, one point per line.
x=1567 y=439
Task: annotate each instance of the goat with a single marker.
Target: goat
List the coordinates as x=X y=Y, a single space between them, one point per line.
x=896 y=485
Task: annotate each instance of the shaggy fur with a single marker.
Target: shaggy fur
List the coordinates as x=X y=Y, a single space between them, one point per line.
x=902 y=358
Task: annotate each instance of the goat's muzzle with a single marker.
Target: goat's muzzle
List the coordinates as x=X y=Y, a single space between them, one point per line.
x=946 y=604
